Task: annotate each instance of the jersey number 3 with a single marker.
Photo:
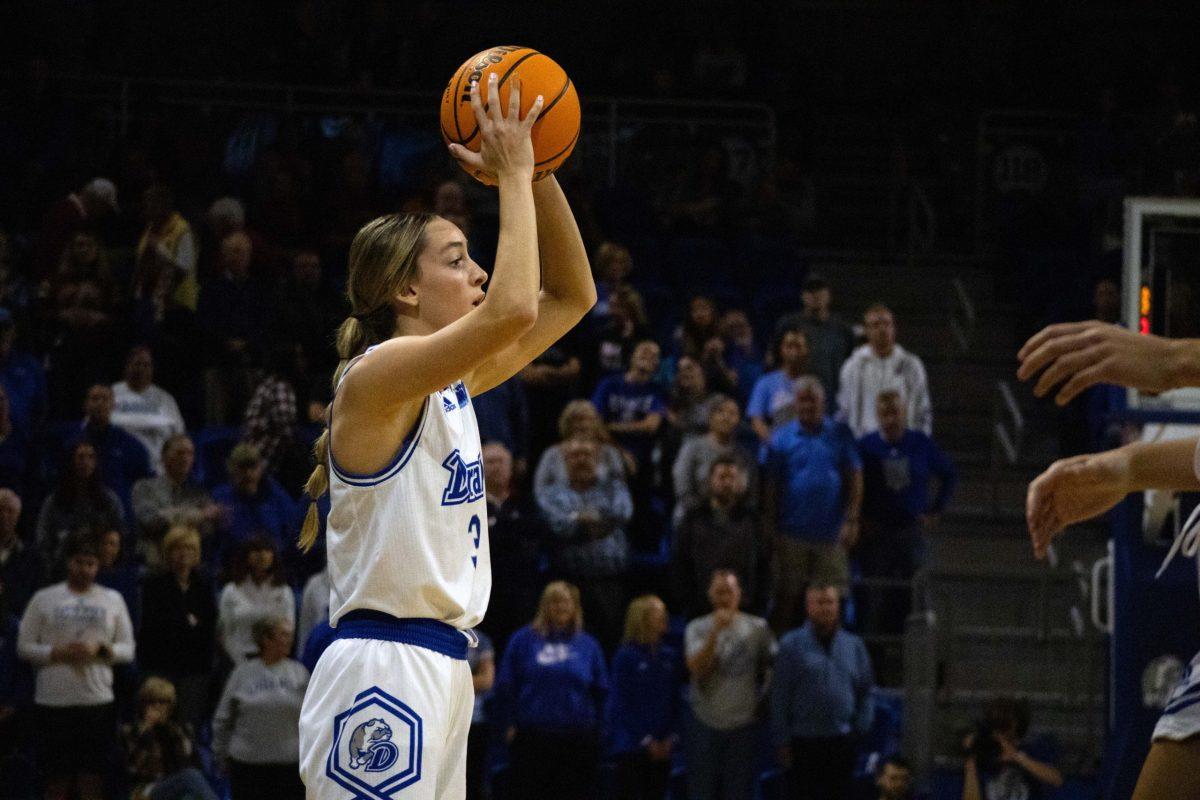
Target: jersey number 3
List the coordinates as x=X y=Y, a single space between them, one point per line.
x=473 y=530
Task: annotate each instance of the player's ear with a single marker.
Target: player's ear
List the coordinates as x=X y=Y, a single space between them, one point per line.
x=406 y=301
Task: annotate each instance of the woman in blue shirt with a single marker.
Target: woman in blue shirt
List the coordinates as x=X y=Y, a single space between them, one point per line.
x=549 y=692
x=643 y=707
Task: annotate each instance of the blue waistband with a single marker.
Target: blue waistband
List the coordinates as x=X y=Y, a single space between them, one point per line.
x=428 y=633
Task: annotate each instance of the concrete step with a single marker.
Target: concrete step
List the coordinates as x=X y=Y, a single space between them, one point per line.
x=1035 y=597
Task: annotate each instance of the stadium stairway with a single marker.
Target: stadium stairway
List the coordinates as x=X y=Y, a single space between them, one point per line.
x=993 y=621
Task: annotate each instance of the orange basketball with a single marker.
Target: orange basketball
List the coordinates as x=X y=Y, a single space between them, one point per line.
x=555 y=132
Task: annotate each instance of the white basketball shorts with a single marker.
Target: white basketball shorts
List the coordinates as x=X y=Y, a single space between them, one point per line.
x=386 y=721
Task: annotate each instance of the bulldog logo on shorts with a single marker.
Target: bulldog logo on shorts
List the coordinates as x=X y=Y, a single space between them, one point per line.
x=376 y=748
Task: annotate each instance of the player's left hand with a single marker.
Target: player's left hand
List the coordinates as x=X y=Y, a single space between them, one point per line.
x=1073 y=490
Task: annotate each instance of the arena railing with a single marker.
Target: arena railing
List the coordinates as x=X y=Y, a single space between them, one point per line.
x=609 y=120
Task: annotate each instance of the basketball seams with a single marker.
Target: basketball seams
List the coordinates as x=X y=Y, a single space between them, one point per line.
x=558 y=97
x=560 y=153
x=463 y=140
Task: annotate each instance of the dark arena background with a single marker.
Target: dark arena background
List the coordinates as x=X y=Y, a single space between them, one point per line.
x=847 y=215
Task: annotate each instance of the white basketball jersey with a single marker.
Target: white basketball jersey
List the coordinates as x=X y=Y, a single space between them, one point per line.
x=411 y=540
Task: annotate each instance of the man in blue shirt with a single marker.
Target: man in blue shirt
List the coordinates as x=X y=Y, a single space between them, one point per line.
x=255 y=505
x=813 y=479
x=820 y=700
x=898 y=513
x=633 y=405
x=773 y=399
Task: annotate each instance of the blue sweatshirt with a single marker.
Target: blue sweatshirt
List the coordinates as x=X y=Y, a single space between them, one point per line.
x=818 y=692
x=553 y=683
x=896 y=478
x=644 y=703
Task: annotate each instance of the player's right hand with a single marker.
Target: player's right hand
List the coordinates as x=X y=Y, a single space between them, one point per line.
x=505 y=144
x=1083 y=354
x=1073 y=490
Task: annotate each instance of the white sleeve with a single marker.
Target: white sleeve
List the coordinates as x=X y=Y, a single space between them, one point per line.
x=185 y=253
x=29 y=648
x=225 y=716
x=920 y=406
x=123 y=644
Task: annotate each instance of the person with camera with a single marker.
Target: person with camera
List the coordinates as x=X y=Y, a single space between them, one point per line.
x=1002 y=761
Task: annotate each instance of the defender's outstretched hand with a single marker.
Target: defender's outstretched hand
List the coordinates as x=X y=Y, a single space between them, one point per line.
x=1084 y=354
x=1073 y=490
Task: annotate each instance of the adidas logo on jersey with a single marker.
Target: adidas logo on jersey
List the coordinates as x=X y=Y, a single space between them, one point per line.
x=466 y=480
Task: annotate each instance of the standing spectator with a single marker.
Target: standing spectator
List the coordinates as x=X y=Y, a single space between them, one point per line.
x=550 y=692
x=643 y=708
x=517 y=535
x=830 y=339
x=73 y=633
x=20 y=566
x=119 y=573
x=610 y=347
x=773 y=399
x=612 y=264
x=482 y=660
x=1014 y=764
x=314 y=607
x=579 y=419
x=269 y=424
x=160 y=756
x=18 y=462
x=22 y=376
x=721 y=533
x=503 y=416
x=728 y=655
x=632 y=405
x=179 y=623
x=255 y=505
x=232 y=313
x=304 y=311
x=173 y=498
x=587 y=518
x=256 y=591
x=882 y=364
x=821 y=702
x=166 y=254
x=690 y=471
x=690 y=403
x=122 y=459
x=898 y=513
x=147 y=412
x=80 y=502
x=91 y=204
x=256 y=728
x=741 y=353
x=700 y=326
x=813 y=479
x=894 y=779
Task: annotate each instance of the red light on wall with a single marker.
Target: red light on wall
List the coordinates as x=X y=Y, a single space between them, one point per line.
x=1144 y=326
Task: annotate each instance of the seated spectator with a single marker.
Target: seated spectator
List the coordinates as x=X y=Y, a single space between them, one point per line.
x=160 y=757
x=256 y=728
x=698 y=327
x=482 y=660
x=690 y=472
x=690 y=402
x=22 y=377
x=517 y=535
x=813 y=479
x=89 y=206
x=79 y=502
x=73 y=633
x=119 y=573
x=314 y=605
x=254 y=504
x=721 y=533
x=579 y=419
x=122 y=459
x=830 y=338
x=610 y=347
x=17 y=461
x=179 y=623
x=882 y=364
x=232 y=313
x=269 y=424
x=632 y=405
x=166 y=254
x=304 y=311
x=1013 y=764
x=502 y=413
x=643 y=710
x=612 y=264
x=256 y=590
x=773 y=398
x=741 y=353
x=550 y=693
x=894 y=779
x=174 y=498
x=821 y=700
x=20 y=566
x=728 y=655
x=587 y=517
x=147 y=412
x=898 y=513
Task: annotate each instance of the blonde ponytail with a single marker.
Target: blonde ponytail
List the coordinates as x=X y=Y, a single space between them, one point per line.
x=383 y=260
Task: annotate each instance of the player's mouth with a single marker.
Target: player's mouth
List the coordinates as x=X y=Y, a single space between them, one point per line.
x=479 y=300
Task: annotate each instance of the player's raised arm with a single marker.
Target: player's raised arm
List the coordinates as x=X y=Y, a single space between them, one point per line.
x=568 y=289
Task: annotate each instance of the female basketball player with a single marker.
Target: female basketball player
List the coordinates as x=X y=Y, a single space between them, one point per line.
x=1075 y=489
x=389 y=705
